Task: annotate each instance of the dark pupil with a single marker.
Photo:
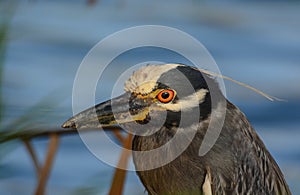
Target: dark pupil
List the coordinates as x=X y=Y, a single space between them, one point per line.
x=165 y=95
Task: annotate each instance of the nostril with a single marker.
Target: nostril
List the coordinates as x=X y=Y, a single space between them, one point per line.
x=135 y=109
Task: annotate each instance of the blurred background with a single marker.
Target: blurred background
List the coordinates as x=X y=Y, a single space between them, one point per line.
x=43 y=42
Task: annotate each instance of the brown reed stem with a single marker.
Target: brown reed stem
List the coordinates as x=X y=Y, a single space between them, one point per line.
x=44 y=174
x=120 y=174
x=119 y=136
x=33 y=156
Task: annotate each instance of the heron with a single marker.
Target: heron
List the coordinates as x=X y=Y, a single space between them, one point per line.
x=164 y=101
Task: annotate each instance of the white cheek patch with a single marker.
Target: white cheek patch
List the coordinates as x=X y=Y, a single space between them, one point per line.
x=188 y=102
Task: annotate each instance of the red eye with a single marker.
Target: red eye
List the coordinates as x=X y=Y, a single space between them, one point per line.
x=165 y=96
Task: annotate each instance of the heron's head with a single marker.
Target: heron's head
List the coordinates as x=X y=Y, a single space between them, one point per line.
x=152 y=92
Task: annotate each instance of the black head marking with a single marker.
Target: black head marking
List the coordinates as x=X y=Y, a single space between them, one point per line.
x=186 y=80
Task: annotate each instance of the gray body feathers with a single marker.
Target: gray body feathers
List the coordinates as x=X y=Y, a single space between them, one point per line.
x=238 y=163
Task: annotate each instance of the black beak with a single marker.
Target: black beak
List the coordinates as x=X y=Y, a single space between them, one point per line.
x=101 y=115
x=107 y=114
